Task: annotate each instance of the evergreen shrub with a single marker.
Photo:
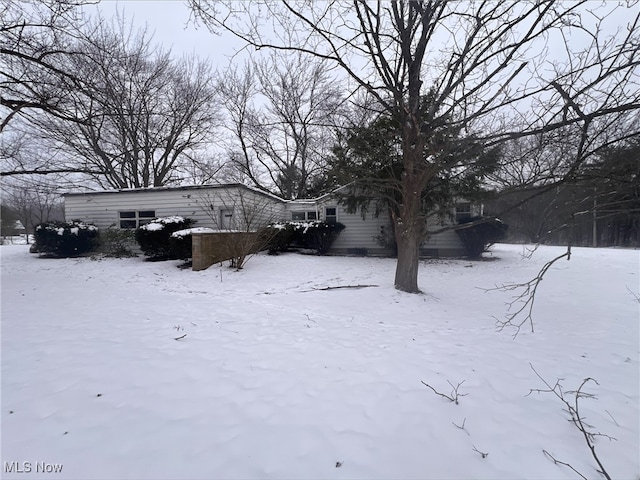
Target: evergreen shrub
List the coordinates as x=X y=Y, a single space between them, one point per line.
x=65 y=239
x=180 y=244
x=277 y=237
x=314 y=235
x=154 y=238
x=477 y=238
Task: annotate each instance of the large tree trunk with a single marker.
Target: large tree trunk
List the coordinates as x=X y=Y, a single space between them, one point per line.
x=408 y=259
x=409 y=222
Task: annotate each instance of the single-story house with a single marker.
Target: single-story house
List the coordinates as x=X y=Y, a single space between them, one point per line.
x=239 y=207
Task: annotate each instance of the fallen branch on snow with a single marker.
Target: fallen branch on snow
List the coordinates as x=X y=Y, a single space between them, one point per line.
x=576 y=419
x=340 y=286
x=453 y=396
x=482 y=454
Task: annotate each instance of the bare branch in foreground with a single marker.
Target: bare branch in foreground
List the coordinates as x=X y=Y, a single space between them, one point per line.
x=453 y=396
x=526 y=298
x=578 y=420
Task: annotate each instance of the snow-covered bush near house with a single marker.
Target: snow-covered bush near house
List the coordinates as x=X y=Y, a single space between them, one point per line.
x=316 y=235
x=74 y=227
x=312 y=367
x=155 y=242
x=64 y=239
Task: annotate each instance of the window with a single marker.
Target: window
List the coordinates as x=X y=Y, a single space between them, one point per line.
x=331 y=214
x=304 y=216
x=135 y=218
x=463 y=211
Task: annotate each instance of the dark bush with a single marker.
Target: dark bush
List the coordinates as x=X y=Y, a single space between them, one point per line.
x=277 y=237
x=65 y=239
x=477 y=238
x=180 y=244
x=315 y=235
x=154 y=237
x=319 y=236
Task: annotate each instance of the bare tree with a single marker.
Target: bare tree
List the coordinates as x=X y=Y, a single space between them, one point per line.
x=146 y=111
x=34 y=202
x=34 y=36
x=282 y=110
x=498 y=71
x=138 y=116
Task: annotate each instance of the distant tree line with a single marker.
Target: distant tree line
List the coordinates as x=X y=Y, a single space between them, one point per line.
x=599 y=207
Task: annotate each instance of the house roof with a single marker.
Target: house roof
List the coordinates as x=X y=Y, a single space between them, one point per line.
x=177 y=188
x=204 y=187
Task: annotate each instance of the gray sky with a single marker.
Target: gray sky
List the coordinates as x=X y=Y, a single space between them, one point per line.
x=169 y=19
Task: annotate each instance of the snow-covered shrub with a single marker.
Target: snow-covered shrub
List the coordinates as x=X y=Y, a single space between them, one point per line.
x=65 y=239
x=154 y=238
x=320 y=236
x=477 y=238
x=180 y=242
x=315 y=235
x=278 y=237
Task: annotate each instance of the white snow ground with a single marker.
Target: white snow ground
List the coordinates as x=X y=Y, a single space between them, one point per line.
x=278 y=379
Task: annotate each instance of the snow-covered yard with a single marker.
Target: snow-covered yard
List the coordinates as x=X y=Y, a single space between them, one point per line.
x=120 y=368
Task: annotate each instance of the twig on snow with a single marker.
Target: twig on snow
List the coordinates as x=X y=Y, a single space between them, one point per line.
x=558 y=462
x=482 y=454
x=339 y=286
x=181 y=337
x=453 y=396
x=635 y=295
x=611 y=416
x=461 y=427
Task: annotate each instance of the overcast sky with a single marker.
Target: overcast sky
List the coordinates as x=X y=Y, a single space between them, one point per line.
x=169 y=19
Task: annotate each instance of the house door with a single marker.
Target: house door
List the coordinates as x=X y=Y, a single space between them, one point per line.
x=226 y=219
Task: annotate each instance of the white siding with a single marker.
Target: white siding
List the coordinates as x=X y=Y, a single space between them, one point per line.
x=444 y=241
x=302 y=206
x=360 y=232
x=202 y=205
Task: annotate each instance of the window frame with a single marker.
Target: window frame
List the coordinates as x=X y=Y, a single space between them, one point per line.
x=134 y=218
x=463 y=211
x=333 y=218
x=305 y=215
